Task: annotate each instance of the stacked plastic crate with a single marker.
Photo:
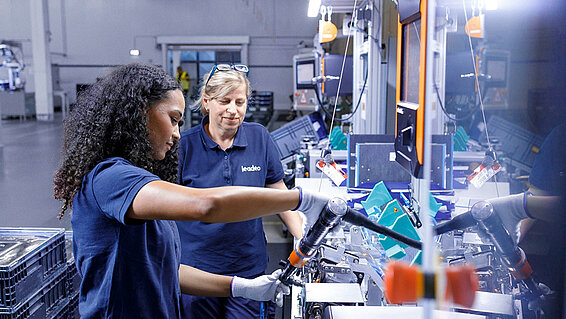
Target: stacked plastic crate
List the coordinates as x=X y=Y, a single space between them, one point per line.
x=73 y=279
x=33 y=273
x=194 y=116
x=260 y=107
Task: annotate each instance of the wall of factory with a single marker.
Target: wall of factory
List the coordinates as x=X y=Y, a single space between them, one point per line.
x=89 y=37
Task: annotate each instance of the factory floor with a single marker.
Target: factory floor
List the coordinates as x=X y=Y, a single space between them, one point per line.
x=28 y=160
x=29 y=156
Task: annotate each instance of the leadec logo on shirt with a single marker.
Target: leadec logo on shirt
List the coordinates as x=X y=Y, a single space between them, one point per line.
x=251 y=168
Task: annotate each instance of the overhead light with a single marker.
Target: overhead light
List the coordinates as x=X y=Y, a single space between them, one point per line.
x=314 y=7
x=134 y=52
x=491 y=5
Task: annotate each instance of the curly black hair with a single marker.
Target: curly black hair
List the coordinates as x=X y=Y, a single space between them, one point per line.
x=109 y=119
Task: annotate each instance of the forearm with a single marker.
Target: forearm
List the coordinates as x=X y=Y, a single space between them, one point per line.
x=162 y=200
x=294 y=223
x=201 y=283
x=243 y=203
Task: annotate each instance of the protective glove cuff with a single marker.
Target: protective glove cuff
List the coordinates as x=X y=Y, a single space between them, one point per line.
x=511 y=205
x=527 y=194
x=300 y=197
x=511 y=211
x=237 y=287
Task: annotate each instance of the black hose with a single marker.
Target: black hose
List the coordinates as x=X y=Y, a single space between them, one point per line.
x=359 y=219
x=461 y=221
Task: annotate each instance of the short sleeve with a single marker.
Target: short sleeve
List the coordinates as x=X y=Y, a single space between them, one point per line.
x=275 y=171
x=115 y=187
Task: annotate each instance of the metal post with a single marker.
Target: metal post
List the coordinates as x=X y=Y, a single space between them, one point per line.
x=358 y=76
x=428 y=242
x=41 y=59
x=165 y=56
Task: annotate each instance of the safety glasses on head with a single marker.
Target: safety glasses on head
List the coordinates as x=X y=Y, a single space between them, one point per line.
x=227 y=67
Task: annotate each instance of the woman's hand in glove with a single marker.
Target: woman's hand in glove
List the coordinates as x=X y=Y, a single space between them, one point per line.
x=311 y=205
x=262 y=288
x=511 y=210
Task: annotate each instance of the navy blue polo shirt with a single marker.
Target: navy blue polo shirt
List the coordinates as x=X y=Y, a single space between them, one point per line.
x=129 y=269
x=252 y=160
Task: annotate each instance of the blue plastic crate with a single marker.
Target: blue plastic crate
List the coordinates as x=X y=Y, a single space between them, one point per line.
x=288 y=137
x=73 y=278
x=73 y=308
x=28 y=259
x=60 y=310
x=517 y=144
x=49 y=301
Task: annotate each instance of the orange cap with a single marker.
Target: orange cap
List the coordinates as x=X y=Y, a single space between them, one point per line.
x=461 y=285
x=403 y=283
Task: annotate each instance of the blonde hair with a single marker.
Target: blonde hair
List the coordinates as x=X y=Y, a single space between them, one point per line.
x=221 y=84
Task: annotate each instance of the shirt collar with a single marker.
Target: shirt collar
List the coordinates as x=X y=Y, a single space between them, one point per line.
x=239 y=141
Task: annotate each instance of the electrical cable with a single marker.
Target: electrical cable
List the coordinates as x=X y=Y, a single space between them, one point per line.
x=472 y=112
x=378 y=23
x=354 y=18
x=369 y=35
x=353 y=111
x=359 y=100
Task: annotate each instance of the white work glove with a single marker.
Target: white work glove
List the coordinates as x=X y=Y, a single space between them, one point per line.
x=311 y=205
x=511 y=209
x=262 y=288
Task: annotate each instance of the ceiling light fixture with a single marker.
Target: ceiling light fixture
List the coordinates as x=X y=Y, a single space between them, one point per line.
x=314 y=7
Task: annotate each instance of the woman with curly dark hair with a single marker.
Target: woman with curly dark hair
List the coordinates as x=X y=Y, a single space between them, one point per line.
x=118 y=174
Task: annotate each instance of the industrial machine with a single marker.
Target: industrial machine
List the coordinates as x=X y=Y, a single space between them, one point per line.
x=12 y=95
x=306 y=67
x=338 y=269
x=10 y=69
x=342 y=261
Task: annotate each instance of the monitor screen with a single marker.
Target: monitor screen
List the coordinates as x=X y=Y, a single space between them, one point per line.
x=497 y=70
x=305 y=73
x=333 y=66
